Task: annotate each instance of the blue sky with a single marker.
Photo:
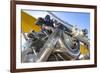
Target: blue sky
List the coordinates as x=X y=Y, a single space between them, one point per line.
x=79 y=19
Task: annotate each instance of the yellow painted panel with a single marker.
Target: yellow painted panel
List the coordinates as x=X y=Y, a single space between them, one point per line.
x=28 y=23
x=84 y=49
